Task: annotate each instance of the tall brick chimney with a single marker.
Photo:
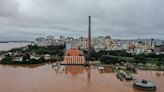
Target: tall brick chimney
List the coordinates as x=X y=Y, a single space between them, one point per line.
x=89 y=39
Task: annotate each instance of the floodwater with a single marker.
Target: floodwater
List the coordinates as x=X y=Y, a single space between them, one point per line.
x=10 y=45
x=45 y=78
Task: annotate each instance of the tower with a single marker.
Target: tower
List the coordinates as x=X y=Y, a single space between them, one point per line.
x=152 y=44
x=89 y=40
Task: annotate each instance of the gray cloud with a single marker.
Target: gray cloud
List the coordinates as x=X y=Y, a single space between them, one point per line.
x=8 y=8
x=27 y=19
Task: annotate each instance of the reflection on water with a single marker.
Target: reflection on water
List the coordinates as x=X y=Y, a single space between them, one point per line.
x=43 y=78
x=74 y=70
x=24 y=65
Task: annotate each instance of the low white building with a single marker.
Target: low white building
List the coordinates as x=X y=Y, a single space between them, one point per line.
x=47 y=56
x=45 y=41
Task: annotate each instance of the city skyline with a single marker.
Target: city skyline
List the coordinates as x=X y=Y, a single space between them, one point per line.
x=81 y=45
x=28 y=19
x=78 y=37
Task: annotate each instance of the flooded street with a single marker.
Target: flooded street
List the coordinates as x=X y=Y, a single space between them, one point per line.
x=44 y=78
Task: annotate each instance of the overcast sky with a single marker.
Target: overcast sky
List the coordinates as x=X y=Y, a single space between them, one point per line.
x=121 y=19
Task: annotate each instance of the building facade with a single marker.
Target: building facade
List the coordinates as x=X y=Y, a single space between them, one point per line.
x=74 y=57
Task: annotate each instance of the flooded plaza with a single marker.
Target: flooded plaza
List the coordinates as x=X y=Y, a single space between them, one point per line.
x=44 y=78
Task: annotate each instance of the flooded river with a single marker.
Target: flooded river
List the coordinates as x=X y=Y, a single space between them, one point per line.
x=44 y=78
x=10 y=45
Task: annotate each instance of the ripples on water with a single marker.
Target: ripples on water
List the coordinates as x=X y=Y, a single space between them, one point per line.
x=44 y=78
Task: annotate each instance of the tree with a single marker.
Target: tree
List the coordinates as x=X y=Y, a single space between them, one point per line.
x=160 y=62
x=94 y=55
x=42 y=59
x=7 y=60
x=140 y=59
x=52 y=50
x=109 y=60
x=161 y=56
x=152 y=55
x=26 y=57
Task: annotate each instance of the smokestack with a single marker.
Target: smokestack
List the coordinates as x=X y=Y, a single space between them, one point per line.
x=152 y=42
x=89 y=39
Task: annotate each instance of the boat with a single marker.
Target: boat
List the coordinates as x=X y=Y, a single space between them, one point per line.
x=125 y=75
x=120 y=76
x=128 y=77
x=145 y=85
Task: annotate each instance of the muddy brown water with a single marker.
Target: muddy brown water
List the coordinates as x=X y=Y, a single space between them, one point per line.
x=44 y=78
x=11 y=45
